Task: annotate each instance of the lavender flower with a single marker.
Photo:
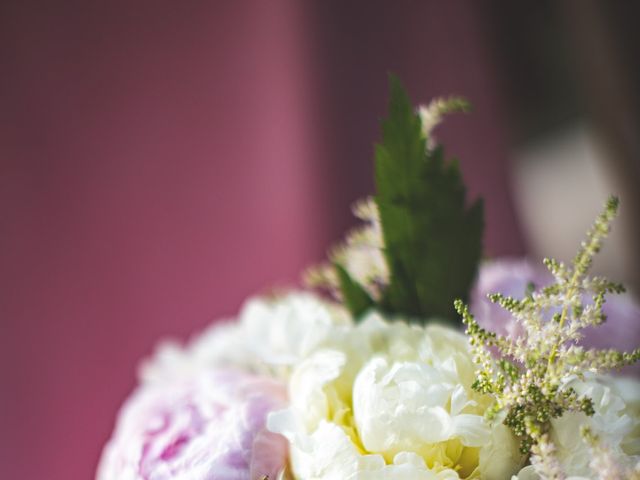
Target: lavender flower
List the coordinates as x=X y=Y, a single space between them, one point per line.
x=513 y=277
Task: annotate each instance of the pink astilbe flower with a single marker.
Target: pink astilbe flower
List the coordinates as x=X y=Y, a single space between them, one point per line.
x=204 y=427
x=511 y=277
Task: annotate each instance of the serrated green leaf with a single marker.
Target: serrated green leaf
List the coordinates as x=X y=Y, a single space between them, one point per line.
x=355 y=298
x=433 y=241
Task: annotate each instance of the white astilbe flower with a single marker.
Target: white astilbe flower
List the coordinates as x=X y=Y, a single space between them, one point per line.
x=513 y=277
x=361 y=255
x=544 y=459
x=534 y=377
x=431 y=115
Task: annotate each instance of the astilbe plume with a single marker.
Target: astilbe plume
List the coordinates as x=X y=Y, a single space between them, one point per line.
x=360 y=255
x=528 y=375
x=603 y=462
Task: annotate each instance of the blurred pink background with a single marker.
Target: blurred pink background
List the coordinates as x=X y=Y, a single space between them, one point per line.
x=160 y=161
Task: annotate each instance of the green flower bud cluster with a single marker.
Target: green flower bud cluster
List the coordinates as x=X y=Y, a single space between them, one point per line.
x=527 y=375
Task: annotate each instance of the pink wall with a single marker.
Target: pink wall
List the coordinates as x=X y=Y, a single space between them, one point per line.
x=160 y=161
x=436 y=48
x=156 y=169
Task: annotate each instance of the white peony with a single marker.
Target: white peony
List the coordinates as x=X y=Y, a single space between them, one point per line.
x=221 y=344
x=283 y=330
x=389 y=401
x=616 y=423
x=270 y=333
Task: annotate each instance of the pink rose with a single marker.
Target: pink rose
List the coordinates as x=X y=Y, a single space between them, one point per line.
x=512 y=276
x=208 y=426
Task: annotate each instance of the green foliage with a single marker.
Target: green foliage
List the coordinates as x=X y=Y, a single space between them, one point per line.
x=354 y=297
x=420 y=246
x=433 y=242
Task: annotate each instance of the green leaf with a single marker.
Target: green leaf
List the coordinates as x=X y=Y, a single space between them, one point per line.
x=433 y=242
x=355 y=298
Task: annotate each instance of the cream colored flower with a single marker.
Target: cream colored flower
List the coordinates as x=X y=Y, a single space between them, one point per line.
x=389 y=400
x=283 y=330
x=616 y=423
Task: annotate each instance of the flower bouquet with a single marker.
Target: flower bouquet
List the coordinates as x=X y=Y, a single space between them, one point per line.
x=369 y=372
